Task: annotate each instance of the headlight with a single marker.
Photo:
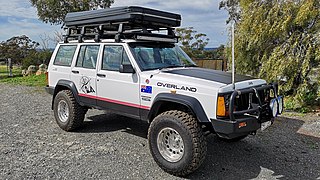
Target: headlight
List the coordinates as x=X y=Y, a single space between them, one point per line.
x=274 y=107
x=280 y=103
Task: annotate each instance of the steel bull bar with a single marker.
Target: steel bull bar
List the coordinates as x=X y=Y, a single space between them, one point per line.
x=254 y=109
x=259 y=112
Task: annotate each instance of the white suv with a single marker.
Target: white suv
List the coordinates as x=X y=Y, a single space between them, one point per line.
x=152 y=79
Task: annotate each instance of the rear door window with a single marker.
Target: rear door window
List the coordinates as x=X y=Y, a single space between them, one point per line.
x=87 y=57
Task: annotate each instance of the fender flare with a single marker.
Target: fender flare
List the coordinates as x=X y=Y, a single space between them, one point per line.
x=67 y=85
x=190 y=102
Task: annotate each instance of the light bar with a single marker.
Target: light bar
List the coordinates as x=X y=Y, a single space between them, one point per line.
x=149 y=38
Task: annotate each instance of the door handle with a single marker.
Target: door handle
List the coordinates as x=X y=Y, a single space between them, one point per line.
x=101 y=75
x=75 y=72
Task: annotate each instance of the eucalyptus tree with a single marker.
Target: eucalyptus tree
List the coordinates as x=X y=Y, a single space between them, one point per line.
x=280 y=39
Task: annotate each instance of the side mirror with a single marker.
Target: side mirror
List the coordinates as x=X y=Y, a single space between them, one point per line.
x=126 y=68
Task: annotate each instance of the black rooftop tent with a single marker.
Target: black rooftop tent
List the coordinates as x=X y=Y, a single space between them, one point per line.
x=121 y=22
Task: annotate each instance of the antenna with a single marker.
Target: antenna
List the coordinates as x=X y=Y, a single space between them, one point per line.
x=233 y=69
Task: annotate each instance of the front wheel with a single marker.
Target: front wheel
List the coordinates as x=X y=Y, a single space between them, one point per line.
x=177 y=143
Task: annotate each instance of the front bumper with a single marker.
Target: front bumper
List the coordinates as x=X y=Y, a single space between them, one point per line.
x=240 y=127
x=244 y=122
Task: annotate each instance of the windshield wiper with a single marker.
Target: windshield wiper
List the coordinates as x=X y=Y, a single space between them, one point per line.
x=190 y=65
x=171 y=66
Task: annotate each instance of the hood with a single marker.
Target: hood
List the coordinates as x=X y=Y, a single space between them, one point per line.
x=204 y=80
x=208 y=74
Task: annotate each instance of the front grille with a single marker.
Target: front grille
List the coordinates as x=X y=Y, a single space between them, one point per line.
x=242 y=101
x=252 y=102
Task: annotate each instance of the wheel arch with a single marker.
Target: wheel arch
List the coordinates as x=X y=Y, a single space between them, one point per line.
x=66 y=85
x=164 y=101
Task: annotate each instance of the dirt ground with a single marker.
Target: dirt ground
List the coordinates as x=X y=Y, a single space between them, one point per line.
x=110 y=146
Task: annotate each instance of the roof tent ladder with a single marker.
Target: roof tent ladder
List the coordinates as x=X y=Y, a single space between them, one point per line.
x=118 y=35
x=82 y=34
x=65 y=37
x=99 y=31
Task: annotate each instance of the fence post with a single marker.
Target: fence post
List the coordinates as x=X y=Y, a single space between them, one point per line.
x=10 y=67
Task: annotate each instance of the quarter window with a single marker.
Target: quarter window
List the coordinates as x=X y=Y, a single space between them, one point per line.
x=87 y=57
x=64 y=55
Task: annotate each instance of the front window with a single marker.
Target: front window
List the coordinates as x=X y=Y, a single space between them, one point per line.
x=158 y=56
x=113 y=57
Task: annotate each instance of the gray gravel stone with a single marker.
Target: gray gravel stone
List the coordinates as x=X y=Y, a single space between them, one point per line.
x=110 y=146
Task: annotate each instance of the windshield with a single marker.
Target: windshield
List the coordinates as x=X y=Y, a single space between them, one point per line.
x=158 y=56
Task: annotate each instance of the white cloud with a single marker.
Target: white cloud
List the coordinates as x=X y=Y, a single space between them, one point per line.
x=176 y=4
x=29 y=27
x=17 y=8
x=18 y=17
x=21 y=18
x=22 y=23
x=203 y=15
x=203 y=5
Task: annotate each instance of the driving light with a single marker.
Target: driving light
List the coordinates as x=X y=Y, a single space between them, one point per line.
x=280 y=103
x=274 y=107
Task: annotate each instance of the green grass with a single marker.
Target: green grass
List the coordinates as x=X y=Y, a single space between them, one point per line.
x=16 y=71
x=32 y=80
x=18 y=79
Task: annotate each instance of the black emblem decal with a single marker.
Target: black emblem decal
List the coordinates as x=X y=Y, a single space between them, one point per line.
x=85 y=85
x=174 y=86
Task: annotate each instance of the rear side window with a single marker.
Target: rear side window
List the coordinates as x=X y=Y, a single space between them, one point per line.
x=87 y=57
x=64 y=55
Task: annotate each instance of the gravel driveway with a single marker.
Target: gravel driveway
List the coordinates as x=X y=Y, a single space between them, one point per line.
x=32 y=146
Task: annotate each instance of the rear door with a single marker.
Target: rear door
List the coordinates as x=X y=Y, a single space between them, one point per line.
x=83 y=72
x=115 y=90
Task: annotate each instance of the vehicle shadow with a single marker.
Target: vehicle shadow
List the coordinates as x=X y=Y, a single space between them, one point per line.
x=109 y=122
x=278 y=153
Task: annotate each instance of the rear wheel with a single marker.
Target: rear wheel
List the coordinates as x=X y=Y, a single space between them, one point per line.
x=177 y=143
x=68 y=113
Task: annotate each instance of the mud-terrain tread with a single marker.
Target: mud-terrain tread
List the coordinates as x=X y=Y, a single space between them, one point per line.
x=77 y=112
x=188 y=122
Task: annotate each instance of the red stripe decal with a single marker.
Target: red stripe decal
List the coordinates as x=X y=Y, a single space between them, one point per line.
x=115 y=101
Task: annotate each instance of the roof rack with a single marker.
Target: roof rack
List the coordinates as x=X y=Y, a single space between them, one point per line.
x=129 y=22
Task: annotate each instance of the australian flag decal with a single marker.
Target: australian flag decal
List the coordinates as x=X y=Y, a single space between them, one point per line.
x=146 y=89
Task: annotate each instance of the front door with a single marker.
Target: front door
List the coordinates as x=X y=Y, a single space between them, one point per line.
x=117 y=91
x=84 y=72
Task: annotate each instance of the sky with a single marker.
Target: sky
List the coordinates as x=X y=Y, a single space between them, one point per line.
x=18 y=17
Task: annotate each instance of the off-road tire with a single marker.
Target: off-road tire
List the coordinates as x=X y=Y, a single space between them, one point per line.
x=195 y=147
x=76 y=111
